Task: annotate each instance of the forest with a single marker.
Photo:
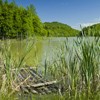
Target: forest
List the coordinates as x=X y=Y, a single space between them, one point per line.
x=59 y=29
x=18 y=21
x=93 y=30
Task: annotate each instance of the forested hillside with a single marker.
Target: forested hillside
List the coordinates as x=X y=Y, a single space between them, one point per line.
x=93 y=30
x=17 y=20
x=59 y=29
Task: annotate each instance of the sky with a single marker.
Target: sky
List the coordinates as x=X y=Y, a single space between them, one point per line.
x=71 y=12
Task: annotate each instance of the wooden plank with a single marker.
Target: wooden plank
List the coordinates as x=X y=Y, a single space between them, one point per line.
x=43 y=84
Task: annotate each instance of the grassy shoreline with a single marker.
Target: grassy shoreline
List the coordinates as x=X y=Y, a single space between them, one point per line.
x=78 y=77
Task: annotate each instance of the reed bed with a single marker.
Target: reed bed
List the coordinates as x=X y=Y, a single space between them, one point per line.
x=78 y=74
x=8 y=63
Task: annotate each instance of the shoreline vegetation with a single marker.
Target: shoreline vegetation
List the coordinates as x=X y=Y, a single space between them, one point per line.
x=78 y=77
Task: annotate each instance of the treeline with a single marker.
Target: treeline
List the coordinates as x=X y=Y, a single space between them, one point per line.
x=59 y=29
x=93 y=30
x=17 y=20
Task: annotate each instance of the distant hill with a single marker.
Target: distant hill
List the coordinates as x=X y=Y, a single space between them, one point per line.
x=93 y=30
x=59 y=29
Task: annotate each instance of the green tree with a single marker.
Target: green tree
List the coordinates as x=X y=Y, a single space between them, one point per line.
x=93 y=30
x=32 y=9
x=6 y=1
x=59 y=29
x=1 y=2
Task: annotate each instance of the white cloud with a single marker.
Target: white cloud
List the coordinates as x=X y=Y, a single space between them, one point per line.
x=95 y=21
x=87 y=24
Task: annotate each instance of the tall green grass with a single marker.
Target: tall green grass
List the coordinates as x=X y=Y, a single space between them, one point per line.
x=10 y=68
x=79 y=75
x=77 y=71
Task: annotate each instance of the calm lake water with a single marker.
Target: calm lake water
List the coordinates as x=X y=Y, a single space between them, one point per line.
x=44 y=49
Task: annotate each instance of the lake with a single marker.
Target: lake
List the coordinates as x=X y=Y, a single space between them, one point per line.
x=41 y=50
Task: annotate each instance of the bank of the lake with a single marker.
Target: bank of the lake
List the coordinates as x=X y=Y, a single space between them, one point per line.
x=74 y=62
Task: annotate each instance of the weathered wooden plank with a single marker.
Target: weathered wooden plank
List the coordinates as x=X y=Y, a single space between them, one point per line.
x=43 y=84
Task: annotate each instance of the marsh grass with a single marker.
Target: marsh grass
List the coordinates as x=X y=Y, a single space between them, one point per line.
x=8 y=76
x=78 y=74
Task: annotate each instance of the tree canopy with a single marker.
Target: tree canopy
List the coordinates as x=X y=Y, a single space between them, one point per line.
x=59 y=29
x=93 y=30
x=16 y=20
